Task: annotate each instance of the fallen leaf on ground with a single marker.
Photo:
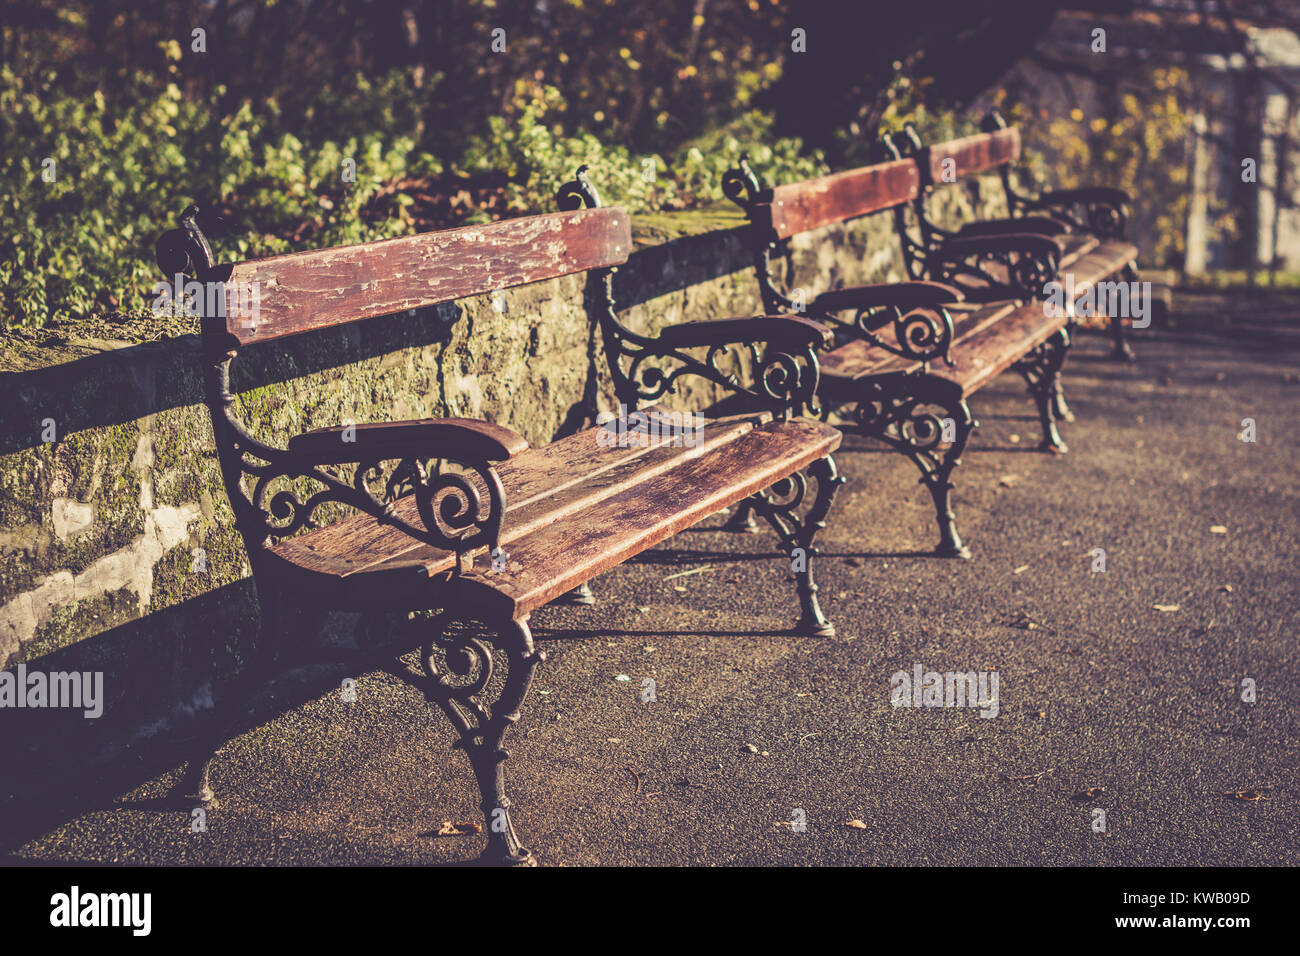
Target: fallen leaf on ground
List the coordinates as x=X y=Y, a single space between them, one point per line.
x=458 y=829
x=622 y=677
x=1027 y=623
x=1006 y=481
x=1218 y=529
x=1167 y=607
x=1020 y=570
x=1254 y=793
x=1090 y=793
x=751 y=748
x=1226 y=587
x=856 y=824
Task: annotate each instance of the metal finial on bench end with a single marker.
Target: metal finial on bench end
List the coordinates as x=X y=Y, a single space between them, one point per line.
x=185 y=250
x=577 y=192
x=992 y=122
x=741 y=185
x=910 y=140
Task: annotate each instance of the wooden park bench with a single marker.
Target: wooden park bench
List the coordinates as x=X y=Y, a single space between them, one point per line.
x=910 y=354
x=1088 y=224
x=460 y=516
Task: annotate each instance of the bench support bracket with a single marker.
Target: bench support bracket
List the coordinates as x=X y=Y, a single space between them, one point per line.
x=458 y=677
x=927 y=419
x=1122 y=351
x=780 y=505
x=1041 y=370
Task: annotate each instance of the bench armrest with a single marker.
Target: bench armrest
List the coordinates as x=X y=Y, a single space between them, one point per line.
x=961 y=247
x=783 y=331
x=904 y=295
x=1030 y=260
x=1105 y=210
x=1086 y=194
x=462 y=439
x=1039 y=225
x=461 y=511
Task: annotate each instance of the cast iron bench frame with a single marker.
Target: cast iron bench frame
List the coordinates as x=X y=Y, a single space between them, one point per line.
x=1088 y=223
x=906 y=407
x=462 y=515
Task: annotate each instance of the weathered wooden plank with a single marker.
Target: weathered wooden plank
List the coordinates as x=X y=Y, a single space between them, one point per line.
x=991 y=351
x=565 y=554
x=858 y=359
x=284 y=295
x=799 y=207
x=1104 y=262
x=1076 y=245
x=541 y=485
x=970 y=155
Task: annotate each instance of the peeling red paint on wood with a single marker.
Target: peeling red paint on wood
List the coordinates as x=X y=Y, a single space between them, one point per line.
x=311 y=290
x=974 y=154
x=799 y=207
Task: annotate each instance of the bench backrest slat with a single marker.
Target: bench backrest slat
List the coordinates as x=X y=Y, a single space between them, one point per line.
x=799 y=207
x=972 y=154
x=312 y=290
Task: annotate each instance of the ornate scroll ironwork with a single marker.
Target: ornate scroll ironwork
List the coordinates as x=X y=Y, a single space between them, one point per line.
x=458 y=675
x=1026 y=266
x=741 y=185
x=1103 y=217
x=782 y=506
x=1041 y=370
x=922 y=334
x=460 y=511
x=927 y=419
x=644 y=368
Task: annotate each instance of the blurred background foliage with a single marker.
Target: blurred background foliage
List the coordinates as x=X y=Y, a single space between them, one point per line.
x=659 y=98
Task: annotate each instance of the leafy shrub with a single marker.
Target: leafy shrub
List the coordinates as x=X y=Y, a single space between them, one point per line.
x=122 y=169
x=125 y=166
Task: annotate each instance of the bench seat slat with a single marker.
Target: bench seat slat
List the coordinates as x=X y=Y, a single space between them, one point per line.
x=532 y=480
x=992 y=350
x=988 y=341
x=1101 y=263
x=1076 y=246
x=859 y=358
x=567 y=553
x=310 y=290
x=594 y=518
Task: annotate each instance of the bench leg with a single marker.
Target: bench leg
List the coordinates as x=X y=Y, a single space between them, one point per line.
x=582 y=595
x=1122 y=352
x=927 y=419
x=780 y=506
x=742 y=519
x=1059 y=406
x=1041 y=370
x=459 y=688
